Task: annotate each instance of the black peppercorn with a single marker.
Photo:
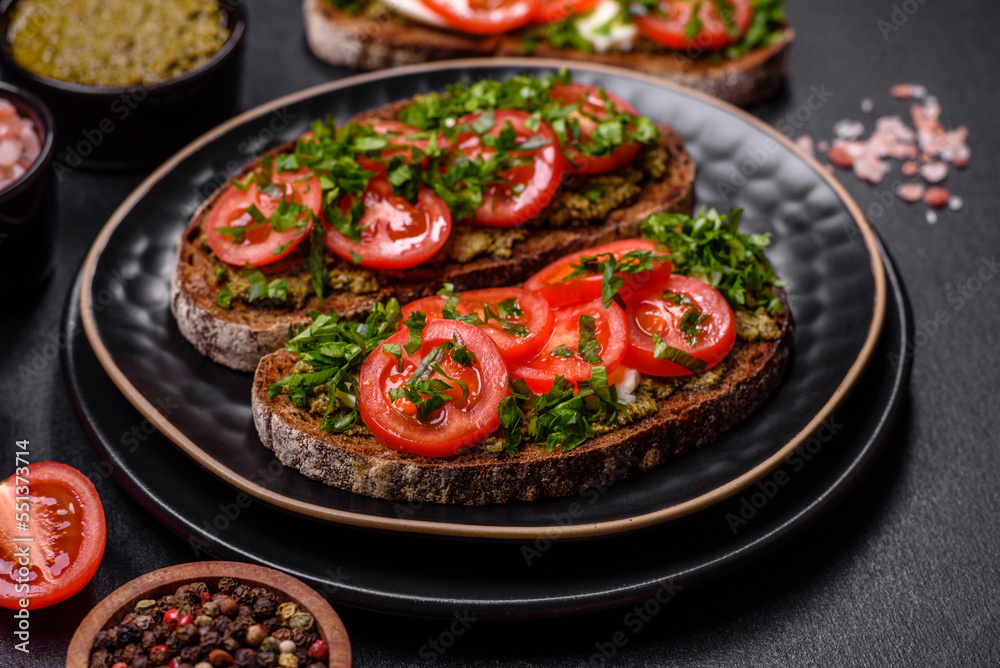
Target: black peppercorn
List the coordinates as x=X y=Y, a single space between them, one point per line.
x=128 y=633
x=99 y=659
x=191 y=654
x=242 y=595
x=210 y=639
x=227 y=585
x=229 y=644
x=267 y=659
x=246 y=658
x=265 y=606
x=282 y=634
x=161 y=632
x=148 y=640
x=187 y=634
x=140 y=661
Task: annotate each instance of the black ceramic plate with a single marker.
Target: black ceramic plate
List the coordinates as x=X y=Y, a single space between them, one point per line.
x=821 y=246
x=495 y=580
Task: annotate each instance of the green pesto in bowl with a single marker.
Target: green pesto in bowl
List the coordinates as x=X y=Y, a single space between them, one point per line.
x=115 y=43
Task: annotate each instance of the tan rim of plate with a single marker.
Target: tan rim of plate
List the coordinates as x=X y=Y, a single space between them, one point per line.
x=477 y=530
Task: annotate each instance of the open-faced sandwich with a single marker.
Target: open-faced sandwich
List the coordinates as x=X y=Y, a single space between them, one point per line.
x=607 y=362
x=487 y=295
x=479 y=187
x=733 y=49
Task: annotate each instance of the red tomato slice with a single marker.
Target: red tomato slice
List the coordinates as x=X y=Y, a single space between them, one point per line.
x=557 y=10
x=548 y=282
x=262 y=245
x=593 y=110
x=395 y=234
x=611 y=333
x=484 y=17
x=536 y=318
x=457 y=424
x=399 y=135
x=528 y=189
x=670 y=27
x=63 y=514
x=651 y=314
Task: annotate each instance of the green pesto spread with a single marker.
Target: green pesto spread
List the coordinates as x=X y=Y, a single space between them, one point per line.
x=591 y=199
x=342 y=278
x=115 y=42
x=753 y=325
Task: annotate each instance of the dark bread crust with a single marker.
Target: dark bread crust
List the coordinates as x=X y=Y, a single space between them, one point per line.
x=240 y=336
x=685 y=420
x=371 y=43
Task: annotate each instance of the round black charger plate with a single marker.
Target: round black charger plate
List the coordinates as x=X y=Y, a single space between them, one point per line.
x=430 y=576
x=821 y=246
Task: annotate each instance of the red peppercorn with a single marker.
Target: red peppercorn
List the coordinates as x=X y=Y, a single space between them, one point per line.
x=205 y=597
x=170 y=617
x=120 y=665
x=318 y=649
x=174 y=662
x=185 y=620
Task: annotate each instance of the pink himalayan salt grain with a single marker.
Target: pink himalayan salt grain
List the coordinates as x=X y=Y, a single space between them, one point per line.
x=19 y=144
x=910 y=192
x=934 y=172
x=910 y=168
x=907 y=91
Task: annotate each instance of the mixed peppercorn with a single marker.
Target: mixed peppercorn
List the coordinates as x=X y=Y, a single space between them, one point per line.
x=238 y=625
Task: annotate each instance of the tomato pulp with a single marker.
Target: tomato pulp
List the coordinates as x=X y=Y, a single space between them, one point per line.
x=58 y=508
x=561 y=355
x=687 y=314
x=550 y=281
x=521 y=332
x=595 y=106
x=484 y=17
x=669 y=27
x=557 y=10
x=526 y=189
x=251 y=242
x=395 y=233
x=463 y=420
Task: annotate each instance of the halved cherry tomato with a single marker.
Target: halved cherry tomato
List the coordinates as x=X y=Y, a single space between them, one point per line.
x=557 y=10
x=395 y=234
x=403 y=139
x=670 y=28
x=651 y=314
x=458 y=423
x=611 y=333
x=484 y=17
x=535 y=317
x=593 y=110
x=58 y=508
x=262 y=245
x=548 y=282
x=527 y=189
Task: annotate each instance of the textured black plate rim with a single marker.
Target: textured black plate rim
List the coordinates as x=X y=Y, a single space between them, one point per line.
x=149 y=411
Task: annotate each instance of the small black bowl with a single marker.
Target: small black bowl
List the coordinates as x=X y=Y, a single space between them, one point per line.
x=108 y=127
x=27 y=206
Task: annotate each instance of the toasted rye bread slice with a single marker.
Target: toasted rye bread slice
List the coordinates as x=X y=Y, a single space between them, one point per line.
x=240 y=336
x=371 y=42
x=685 y=420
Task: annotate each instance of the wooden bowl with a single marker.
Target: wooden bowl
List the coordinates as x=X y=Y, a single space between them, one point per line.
x=165 y=581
